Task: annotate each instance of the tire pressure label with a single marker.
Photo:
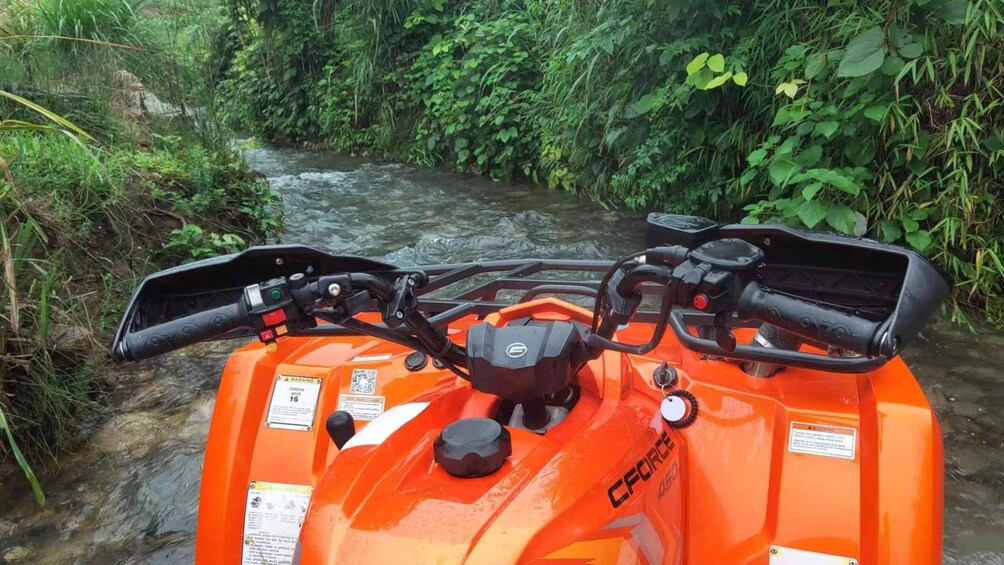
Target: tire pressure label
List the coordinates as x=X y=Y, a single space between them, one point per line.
x=273 y=516
x=361 y=407
x=822 y=439
x=294 y=402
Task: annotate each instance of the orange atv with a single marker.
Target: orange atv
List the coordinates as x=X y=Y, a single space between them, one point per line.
x=454 y=414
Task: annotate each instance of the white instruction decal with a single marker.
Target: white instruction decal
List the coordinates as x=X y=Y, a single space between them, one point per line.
x=368 y=358
x=273 y=515
x=361 y=407
x=788 y=556
x=821 y=439
x=363 y=381
x=294 y=401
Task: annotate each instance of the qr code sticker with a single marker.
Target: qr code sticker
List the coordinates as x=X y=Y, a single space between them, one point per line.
x=363 y=381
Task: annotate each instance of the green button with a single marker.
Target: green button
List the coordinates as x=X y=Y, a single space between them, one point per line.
x=276 y=294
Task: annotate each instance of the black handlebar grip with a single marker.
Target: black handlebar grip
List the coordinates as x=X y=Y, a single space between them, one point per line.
x=175 y=334
x=809 y=320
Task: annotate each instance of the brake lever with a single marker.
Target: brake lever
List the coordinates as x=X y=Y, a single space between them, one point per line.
x=724 y=337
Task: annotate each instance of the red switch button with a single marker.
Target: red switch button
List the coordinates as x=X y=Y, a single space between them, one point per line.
x=267 y=335
x=700 y=301
x=274 y=318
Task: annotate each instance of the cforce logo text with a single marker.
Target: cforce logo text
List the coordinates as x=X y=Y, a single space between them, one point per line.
x=621 y=491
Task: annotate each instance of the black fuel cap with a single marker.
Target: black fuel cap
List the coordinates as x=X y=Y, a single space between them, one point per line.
x=473 y=447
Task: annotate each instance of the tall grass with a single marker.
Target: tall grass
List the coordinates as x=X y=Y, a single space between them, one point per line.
x=91 y=188
x=27 y=304
x=110 y=21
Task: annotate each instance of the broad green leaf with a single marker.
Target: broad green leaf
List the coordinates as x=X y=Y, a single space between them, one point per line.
x=811 y=212
x=855 y=86
x=787 y=147
x=643 y=105
x=860 y=224
x=954 y=12
x=717 y=63
x=910 y=225
x=890 y=231
x=697 y=64
x=815 y=65
x=826 y=129
x=790 y=90
x=912 y=51
x=805 y=127
x=750 y=220
x=781 y=170
x=718 y=81
x=740 y=78
x=756 y=157
x=701 y=78
x=920 y=240
x=862 y=152
x=841 y=218
x=811 y=190
x=877 y=113
x=899 y=36
x=810 y=156
x=782 y=117
x=747 y=177
x=865 y=54
x=796 y=51
x=840 y=181
x=892 y=65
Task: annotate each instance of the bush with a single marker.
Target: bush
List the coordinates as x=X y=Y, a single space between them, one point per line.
x=869 y=118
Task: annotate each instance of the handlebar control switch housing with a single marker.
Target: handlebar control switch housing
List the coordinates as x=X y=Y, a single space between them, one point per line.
x=273 y=310
x=521 y=363
x=715 y=274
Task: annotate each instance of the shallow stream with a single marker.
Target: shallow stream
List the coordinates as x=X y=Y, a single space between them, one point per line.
x=129 y=495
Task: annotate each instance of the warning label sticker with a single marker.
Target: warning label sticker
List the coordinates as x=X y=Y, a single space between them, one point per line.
x=294 y=401
x=822 y=439
x=361 y=407
x=363 y=381
x=273 y=515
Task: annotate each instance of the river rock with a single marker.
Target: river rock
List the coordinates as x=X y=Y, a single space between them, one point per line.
x=74 y=341
x=971 y=459
x=16 y=554
x=128 y=432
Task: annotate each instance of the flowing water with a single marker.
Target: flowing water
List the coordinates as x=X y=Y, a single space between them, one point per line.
x=129 y=495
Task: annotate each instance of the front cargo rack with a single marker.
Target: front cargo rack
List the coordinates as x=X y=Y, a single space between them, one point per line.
x=458 y=290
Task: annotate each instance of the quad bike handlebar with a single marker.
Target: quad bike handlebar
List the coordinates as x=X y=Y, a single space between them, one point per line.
x=175 y=334
x=812 y=321
x=718 y=277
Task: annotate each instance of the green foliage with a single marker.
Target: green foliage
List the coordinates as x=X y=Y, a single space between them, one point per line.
x=192 y=244
x=476 y=82
x=90 y=185
x=880 y=119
